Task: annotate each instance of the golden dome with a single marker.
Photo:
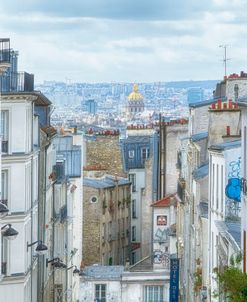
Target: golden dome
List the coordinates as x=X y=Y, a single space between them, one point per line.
x=135 y=95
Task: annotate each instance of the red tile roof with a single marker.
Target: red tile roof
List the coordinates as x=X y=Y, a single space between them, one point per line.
x=167 y=201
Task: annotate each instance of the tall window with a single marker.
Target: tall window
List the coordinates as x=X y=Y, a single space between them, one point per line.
x=131 y=153
x=153 y=293
x=134 y=209
x=100 y=292
x=145 y=153
x=4 y=187
x=4 y=130
x=132 y=179
x=4 y=255
x=133 y=231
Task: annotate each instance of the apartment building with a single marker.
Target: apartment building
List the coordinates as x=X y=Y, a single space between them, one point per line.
x=106 y=220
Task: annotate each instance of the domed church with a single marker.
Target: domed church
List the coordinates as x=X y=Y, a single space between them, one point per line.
x=135 y=102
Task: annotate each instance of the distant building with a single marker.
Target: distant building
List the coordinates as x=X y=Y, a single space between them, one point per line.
x=194 y=95
x=90 y=106
x=135 y=102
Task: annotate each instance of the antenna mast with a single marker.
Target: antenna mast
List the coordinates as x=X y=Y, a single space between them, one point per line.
x=225 y=59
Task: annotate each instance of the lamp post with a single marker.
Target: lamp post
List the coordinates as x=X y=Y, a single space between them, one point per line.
x=41 y=248
x=75 y=271
x=9 y=232
x=56 y=262
x=3 y=210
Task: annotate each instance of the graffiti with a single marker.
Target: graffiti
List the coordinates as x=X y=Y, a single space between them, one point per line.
x=233 y=189
x=161 y=258
x=234 y=168
x=161 y=235
x=232 y=209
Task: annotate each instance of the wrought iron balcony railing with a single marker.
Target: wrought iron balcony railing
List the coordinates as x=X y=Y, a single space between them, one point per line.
x=4 y=50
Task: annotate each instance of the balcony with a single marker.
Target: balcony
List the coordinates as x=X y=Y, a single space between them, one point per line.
x=17 y=82
x=5 y=146
x=4 y=50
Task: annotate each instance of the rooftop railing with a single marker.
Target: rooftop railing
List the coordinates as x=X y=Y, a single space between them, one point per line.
x=4 y=50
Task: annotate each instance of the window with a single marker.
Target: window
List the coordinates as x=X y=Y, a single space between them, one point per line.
x=133 y=234
x=4 y=255
x=145 y=153
x=153 y=293
x=133 y=258
x=134 y=209
x=4 y=130
x=131 y=153
x=100 y=292
x=217 y=186
x=4 y=187
x=132 y=179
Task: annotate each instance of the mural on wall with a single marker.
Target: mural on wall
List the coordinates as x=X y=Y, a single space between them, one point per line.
x=161 y=257
x=233 y=188
x=161 y=220
x=161 y=235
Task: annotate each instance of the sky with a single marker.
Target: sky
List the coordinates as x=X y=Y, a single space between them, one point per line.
x=126 y=40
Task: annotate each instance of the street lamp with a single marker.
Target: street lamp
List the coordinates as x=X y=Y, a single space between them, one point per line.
x=56 y=262
x=41 y=248
x=75 y=271
x=3 y=210
x=9 y=232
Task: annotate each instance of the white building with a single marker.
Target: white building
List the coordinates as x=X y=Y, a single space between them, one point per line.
x=224 y=207
x=20 y=166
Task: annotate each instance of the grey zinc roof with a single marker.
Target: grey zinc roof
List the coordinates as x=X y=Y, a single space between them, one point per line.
x=203 y=209
x=226 y=145
x=102 y=272
x=201 y=104
x=200 y=172
x=231 y=230
x=137 y=139
x=106 y=182
x=199 y=136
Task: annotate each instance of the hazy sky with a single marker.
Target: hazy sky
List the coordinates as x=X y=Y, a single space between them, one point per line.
x=126 y=40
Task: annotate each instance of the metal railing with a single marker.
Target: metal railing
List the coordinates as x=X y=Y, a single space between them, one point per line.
x=4 y=50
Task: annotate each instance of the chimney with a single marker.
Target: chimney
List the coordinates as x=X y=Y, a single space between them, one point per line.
x=228 y=130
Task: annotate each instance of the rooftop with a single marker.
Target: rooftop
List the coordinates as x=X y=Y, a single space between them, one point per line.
x=226 y=145
x=199 y=136
x=201 y=104
x=102 y=272
x=200 y=172
x=231 y=230
x=106 y=182
x=165 y=202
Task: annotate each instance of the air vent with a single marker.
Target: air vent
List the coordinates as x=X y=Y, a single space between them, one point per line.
x=93 y=199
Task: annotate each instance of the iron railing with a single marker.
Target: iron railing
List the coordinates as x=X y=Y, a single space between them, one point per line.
x=4 y=50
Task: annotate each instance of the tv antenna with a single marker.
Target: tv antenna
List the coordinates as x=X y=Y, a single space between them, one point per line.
x=225 y=58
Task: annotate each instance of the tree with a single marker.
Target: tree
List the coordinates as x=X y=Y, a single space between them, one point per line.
x=232 y=281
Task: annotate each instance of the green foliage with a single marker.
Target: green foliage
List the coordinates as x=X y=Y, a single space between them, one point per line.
x=234 y=284
x=198 y=279
x=232 y=281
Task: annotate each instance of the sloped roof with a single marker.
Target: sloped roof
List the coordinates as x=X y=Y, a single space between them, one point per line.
x=226 y=145
x=106 y=182
x=103 y=272
x=167 y=201
x=199 y=136
x=200 y=172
